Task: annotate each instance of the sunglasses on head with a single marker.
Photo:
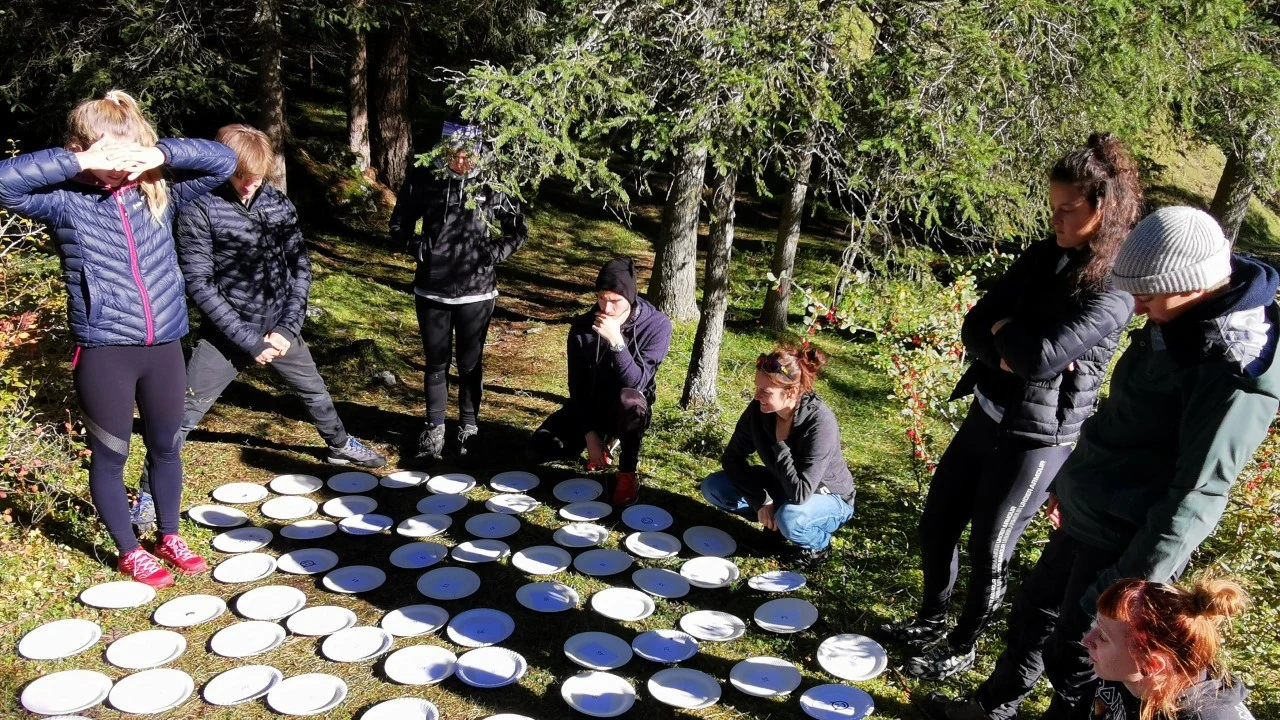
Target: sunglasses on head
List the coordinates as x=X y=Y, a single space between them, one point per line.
x=773 y=365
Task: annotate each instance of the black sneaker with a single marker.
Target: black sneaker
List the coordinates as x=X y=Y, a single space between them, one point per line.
x=808 y=558
x=940 y=662
x=916 y=630
x=465 y=433
x=936 y=706
x=355 y=452
x=431 y=442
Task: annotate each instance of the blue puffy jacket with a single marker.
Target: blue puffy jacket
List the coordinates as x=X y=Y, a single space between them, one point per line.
x=118 y=261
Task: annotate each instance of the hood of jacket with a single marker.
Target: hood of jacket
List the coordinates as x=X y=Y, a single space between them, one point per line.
x=1236 y=325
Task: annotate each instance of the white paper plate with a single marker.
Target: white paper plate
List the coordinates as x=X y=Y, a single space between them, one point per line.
x=352 y=482
x=289 y=507
x=309 y=529
x=852 y=657
x=786 y=615
x=404 y=479
x=357 y=644
x=598 y=650
x=59 y=639
x=448 y=583
x=418 y=555
x=246 y=639
x=684 y=688
x=625 y=604
x=547 y=597
x=585 y=511
x=241 y=685
x=249 y=567
x=511 y=503
x=542 y=560
x=405 y=708
x=348 y=505
x=308 y=694
x=413 y=620
x=777 y=581
x=580 y=535
x=665 y=646
x=420 y=665
x=146 y=649
x=480 y=551
x=516 y=481
x=425 y=525
x=492 y=525
x=836 y=702
x=271 y=602
x=765 y=677
x=354 y=579
x=661 y=582
x=189 y=610
x=451 y=484
x=706 y=540
x=653 y=545
x=320 y=620
x=490 y=667
x=713 y=625
x=307 y=561
x=577 y=490
x=295 y=484
x=242 y=540
x=709 y=572
x=118 y=595
x=151 y=691
x=365 y=524
x=218 y=516
x=646 y=517
x=442 y=504
x=237 y=493
x=480 y=627
x=598 y=694
x=66 y=692
x=600 y=562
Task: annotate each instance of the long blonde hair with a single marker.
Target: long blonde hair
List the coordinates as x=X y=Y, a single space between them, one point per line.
x=117 y=113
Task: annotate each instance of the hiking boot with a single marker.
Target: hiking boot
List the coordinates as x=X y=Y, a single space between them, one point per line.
x=807 y=558
x=355 y=453
x=936 y=706
x=431 y=442
x=143 y=513
x=143 y=567
x=173 y=550
x=626 y=489
x=465 y=433
x=940 y=662
x=916 y=630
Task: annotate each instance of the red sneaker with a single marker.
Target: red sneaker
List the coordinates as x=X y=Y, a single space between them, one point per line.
x=173 y=550
x=143 y=567
x=626 y=489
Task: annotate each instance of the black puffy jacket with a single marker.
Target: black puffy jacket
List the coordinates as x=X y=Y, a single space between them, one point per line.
x=1055 y=326
x=246 y=267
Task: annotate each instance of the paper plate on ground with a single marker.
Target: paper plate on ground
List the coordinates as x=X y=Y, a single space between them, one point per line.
x=405 y=708
x=598 y=694
x=625 y=604
x=295 y=484
x=357 y=644
x=404 y=479
x=348 y=505
x=271 y=602
x=118 y=595
x=585 y=511
x=418 y=555
x=580 y=535
x=307 y=561
x=713 y=625
x=249 y=567
x=480 y=627
x=706 y=540
x=653 y=545
x=600 y=562
x=189 y=610
x=852 y=657
x=492 y=525
x=442 y=504
x=308 y=694
x=237 y=493
x=151 y=691
x=354 y=579
x=241 y=685
x=424 y=525
x=218 y=516
x=320 y=620
x=248 y=638
x=490 y=667
x=661 y=582
x=480 y=551
x=309 y=529
x=365 y=524
x=451 y=484
x=547 y=597
x=786 y=615
x=646 y=517
x=514 y=481
x=448 y=583
x=59 y=639
x=684 y=688
x=836 y=702
x=542 y=560
x=597 y=650
x=289 y=507
x=577 y=490
x=665 y=646
x=420 y=665
x=709 y=572
x=765 y=677
x=777 y=581
x=146 y=649
x=352 y=482
x=511 y=503
x=413 y=620
x=66 y=692
x=242 y=540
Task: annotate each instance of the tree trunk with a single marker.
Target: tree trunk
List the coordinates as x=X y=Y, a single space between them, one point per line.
x=673 y=287
x=271 y=85
x=358 y=99
x=704 y=363
x=1231 y=201
x=391 y=136
x=776 y=302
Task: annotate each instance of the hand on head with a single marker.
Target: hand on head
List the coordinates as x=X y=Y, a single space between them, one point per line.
x=114 y=159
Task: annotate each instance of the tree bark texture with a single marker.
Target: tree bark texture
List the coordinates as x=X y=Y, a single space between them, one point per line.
x=1231 y=200
x=391 y=136
x=776 y=302
x=704 y=363
x=673 y=287
x=271 y=86
x=358 y=98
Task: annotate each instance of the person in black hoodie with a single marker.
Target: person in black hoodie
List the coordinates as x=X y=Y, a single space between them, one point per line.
x=613 y=354
x=1040 y=342
x=467 y=229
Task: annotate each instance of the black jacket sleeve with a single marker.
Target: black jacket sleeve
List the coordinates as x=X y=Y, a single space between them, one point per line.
x=1038 y=352
x=513 y=233
x=407 y=212
x=295 y=250
x=996 y=305
x=195 y=254
x=196 y=167
x=637 y=366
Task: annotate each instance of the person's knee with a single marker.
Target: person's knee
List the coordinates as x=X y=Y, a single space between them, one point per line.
x=791 y=523
x=635 y=409
x=716 y=489
x=543 y=445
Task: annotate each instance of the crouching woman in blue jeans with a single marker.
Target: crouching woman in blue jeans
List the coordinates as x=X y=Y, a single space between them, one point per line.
x=803 y=489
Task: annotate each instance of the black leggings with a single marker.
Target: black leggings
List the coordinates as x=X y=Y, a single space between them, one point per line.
x=623 y=415
x=108 y=381
x=438 y=323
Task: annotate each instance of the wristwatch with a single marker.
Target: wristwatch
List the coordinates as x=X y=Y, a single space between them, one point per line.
x=619 y=347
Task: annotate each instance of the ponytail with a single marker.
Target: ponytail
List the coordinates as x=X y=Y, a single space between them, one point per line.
x=1107 y=176
x=117 y=113
x=802 y=364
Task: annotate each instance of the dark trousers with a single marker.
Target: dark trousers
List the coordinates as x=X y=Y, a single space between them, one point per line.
x=623 y=415
x=439 y=323
x=108 y=380
x=994 y=484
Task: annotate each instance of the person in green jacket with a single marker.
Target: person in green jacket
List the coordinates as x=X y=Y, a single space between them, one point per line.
x=1191 y=400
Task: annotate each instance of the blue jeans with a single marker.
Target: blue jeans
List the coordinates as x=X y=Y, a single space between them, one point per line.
x=809 y=525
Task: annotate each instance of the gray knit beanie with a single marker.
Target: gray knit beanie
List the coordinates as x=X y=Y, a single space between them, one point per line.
x=1174 y=250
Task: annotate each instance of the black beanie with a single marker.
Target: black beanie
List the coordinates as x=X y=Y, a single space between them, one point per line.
x=619 y=275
